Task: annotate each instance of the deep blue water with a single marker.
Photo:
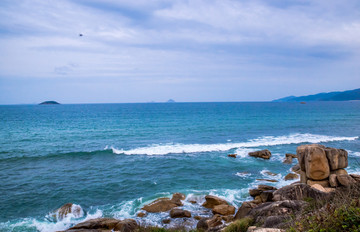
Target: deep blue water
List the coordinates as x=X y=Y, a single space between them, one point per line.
x=113 y=158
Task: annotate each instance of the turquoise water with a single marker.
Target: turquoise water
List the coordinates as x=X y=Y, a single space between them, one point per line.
x=111 y=159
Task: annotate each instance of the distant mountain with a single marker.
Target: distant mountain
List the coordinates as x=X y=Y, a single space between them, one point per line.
x=49 y=103
x=331 y=96
x=170 y=101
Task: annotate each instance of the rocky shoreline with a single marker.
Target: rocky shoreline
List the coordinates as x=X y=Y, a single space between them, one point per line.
x=321 y=171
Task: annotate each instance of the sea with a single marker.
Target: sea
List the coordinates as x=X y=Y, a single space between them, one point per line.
x=112 y=159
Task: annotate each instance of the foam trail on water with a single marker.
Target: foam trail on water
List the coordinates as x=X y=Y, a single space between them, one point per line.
x=163 y=149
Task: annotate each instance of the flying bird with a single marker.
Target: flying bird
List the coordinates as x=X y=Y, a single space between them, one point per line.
x=80 y=35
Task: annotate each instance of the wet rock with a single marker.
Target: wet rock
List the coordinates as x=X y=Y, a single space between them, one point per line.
x=224 y=209
x=255 y=192
x=160 y=205
x=299 y=192
x=338 y=158
x=166 y=221
x=264 y=187
x=232 y=155
x=193 y=201
x=141 y=214
x=291 y=176
x=177 y=197
x=268 y=180
x=197 y=217
x=289 y=158
x=264 y=154
x=244 y=209
x=212 y=201
x=179 y=213
x=345 y=180
x=127 y=225
x=324 y=183
x=270 y=173
x=296 y=168
x=67 y=209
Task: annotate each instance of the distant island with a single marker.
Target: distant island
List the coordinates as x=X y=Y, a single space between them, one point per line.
x=170 y=101
x=49 y=103
x=331 y=96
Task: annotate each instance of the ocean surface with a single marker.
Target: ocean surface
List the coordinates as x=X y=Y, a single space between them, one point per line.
x=111 y=159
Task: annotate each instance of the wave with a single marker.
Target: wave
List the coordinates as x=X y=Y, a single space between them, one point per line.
x=177 y=148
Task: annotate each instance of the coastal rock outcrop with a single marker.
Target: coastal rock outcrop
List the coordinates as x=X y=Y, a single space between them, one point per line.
x=75 y=210
x=264 y=154
x=323 y=165
x=102 y=224
x=179 y=213
x=224 y=210
x=212 y=201
x=289 y=158
x=207 y=224
x=164 y=204
x=299 y=192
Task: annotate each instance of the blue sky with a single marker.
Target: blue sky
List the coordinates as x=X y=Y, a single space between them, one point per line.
x=187 y=50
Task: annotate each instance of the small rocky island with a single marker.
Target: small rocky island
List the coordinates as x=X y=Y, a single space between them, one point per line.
x=49 y=103
x=325 y=197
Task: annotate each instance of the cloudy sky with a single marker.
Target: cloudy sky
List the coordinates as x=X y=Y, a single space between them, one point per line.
x=187 y=50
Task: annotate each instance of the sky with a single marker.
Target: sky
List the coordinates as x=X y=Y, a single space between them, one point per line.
x=186 y=50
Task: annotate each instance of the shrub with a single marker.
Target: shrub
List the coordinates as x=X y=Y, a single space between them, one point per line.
x=240 y=225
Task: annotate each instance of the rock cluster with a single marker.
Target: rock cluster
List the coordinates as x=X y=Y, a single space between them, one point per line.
x=323 y=166
x=265 y=154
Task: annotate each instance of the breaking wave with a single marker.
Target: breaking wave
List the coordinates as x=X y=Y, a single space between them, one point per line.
x=164 y=149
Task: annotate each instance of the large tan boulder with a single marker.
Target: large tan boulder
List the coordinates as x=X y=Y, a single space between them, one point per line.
x=99 y=224
x=206 y=224
x=177 y=198
x=340 y=171
x=338 y=158
x=224 y=210
x=333 y=180
x=313 y=160
x=265 y=154
x=212 y=201
x=298 y=192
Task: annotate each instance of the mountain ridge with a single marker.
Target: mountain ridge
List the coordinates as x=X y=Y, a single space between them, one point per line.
x=347 y=95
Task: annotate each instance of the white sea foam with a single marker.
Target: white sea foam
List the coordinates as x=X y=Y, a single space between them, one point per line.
x=243 y=174
x=176 y=148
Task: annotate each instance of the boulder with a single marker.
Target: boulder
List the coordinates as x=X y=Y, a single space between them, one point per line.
x=264 y=154
x=177 y=197
x=197 y=217
x=276 y=221
x=166 y=221
x=212 y=201
x=232 y=155
x=298 y=192
x=270 y=173
x=228 y=218
x=340 y=171
x=316 y=163
x=179 y=213
x=324 y=183
x=257 y=200
x=291 y=176
x=289 y=158
x=318 y=187
x=264 y=187
x=296 y=168
x=333 y=180
x=330 y=190
x=244 y=209
x=268 y=180
x=345 y=180
x=160 y=205
x=127 y=225
x=75 y=210
x=209 y=223
x=141 y=214
x=224 y=210
x=338 y=158
x=255 y=192
x=301 y=151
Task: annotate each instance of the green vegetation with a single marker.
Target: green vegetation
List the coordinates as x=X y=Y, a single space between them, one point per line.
x=341 y=213
x=240 y=225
